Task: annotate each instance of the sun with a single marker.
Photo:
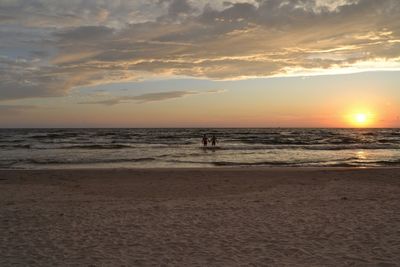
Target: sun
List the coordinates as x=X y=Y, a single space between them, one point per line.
x=361 y=118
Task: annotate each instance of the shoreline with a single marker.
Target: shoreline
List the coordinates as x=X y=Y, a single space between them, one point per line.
x=212 y=168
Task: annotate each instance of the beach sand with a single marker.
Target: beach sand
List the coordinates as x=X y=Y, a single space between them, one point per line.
x=200 y=217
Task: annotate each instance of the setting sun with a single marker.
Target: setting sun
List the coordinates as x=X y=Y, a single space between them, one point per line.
x=361 y=118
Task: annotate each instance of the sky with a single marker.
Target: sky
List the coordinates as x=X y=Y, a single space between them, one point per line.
x=183 y=63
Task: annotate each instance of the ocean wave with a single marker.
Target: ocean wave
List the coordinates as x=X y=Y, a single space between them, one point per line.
x=364 y=164
x=262 y=163
x=6 y=140
x=273 y=142
x=312 y=164
x=388 y=162
x=83 y=161
x=224 y=147
x=343 y=165
x=352 y=147
x=102 y=146
x=270 y=163
x=15 y=146
x=5 y=164
x=54 y=136
x=306 y=147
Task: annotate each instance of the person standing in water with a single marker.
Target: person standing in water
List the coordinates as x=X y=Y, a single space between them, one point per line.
x=213 y=140
x=205 y=140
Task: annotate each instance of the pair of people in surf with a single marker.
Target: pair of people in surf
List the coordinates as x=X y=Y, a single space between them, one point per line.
x=212 y=140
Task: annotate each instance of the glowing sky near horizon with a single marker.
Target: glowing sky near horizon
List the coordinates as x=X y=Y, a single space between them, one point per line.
x=183 y=63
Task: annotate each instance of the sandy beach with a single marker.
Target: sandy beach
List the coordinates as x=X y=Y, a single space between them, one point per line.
x=200 y=217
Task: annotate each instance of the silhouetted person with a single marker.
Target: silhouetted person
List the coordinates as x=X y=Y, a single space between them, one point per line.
x=205 y=140
x=213 y=140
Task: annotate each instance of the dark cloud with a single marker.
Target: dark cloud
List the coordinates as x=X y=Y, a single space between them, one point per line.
x=178 y=8
x=144 y=98
x=49 y=13
x=94 y=42
x=150 y=97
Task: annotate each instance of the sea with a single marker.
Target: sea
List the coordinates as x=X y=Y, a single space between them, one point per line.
x=177 y=148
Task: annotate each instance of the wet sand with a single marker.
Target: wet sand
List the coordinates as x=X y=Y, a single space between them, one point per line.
x=200 y=217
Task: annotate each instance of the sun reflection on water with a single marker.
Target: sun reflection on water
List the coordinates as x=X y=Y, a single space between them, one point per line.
x=361 y=155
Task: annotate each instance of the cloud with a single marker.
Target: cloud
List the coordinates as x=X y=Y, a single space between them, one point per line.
x=150 y=97
x=49 y=47
x=177 y=9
